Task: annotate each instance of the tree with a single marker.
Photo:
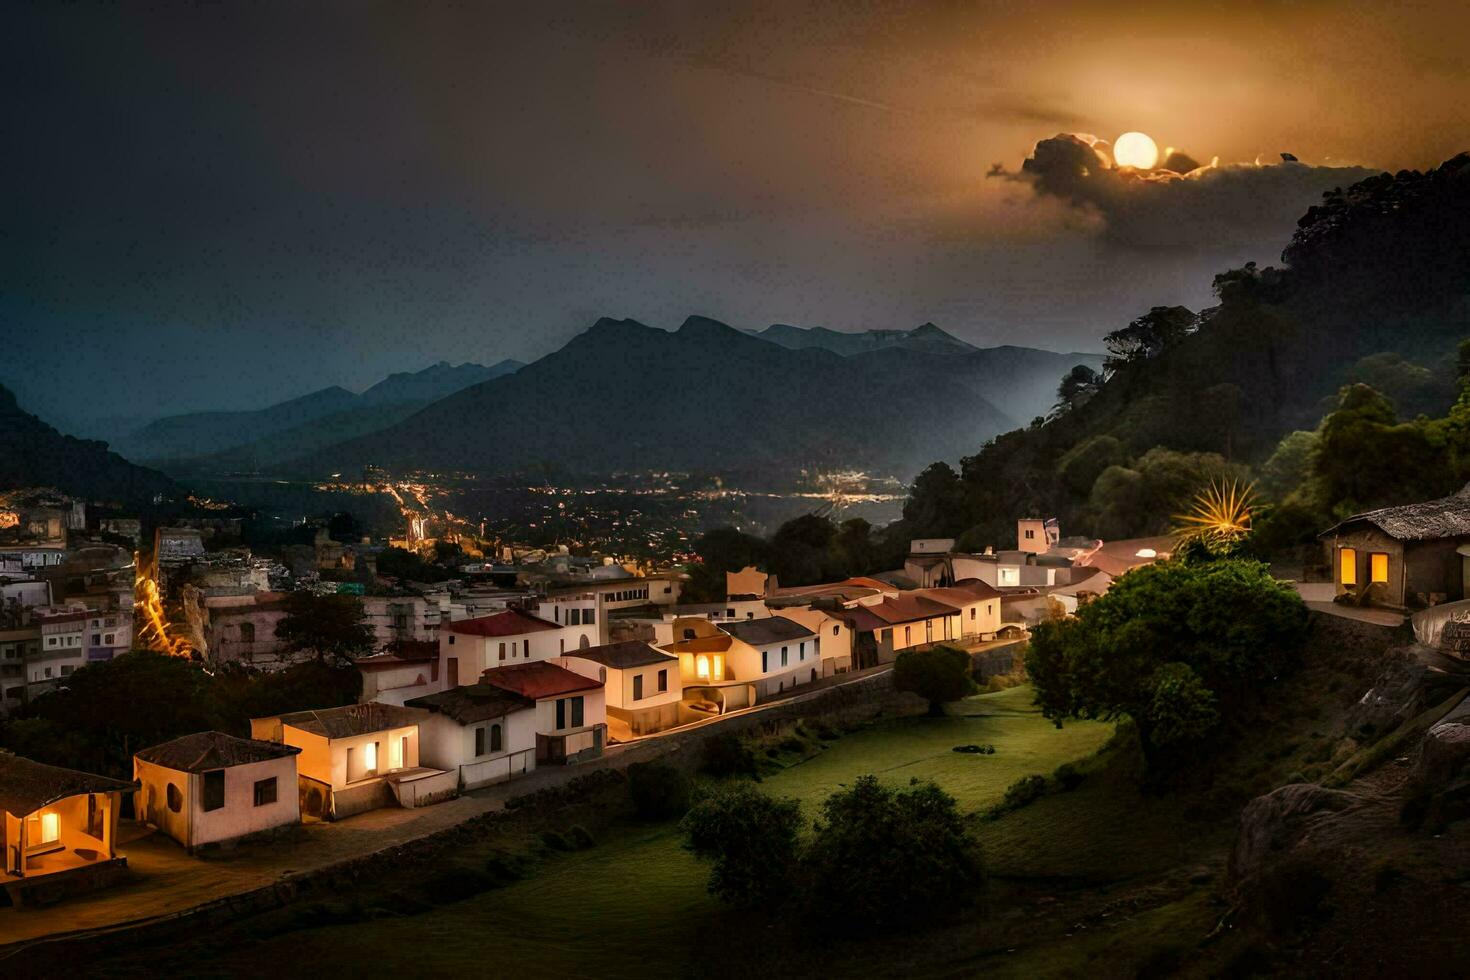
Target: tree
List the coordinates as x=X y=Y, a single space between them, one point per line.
x=658 y=790
x=1176 y=647
x=331 y=627
x=883 y=858
x=400 y=563
x=722 y=550
x=938 y=675
x=1148 y=335
x=751 y=838
x=936 y=503
x=1078 y=385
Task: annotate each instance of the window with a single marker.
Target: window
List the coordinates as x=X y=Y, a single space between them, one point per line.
x=214 y=790
x=783 y=656
x=1378 y=567
x=729 y=614
x=663 y=680
x=494 y=738
x=1008 y=576
x=765 y=661
x=576 y=712
x=451 y=639
x=502 y=651
x=109 y=639
x=563 y=645
x=175 y=798
x=972 y=612
x=1347 y=564
x=479 y=741
x=96 y=639
x=835 y=629
x=801 y=650
x=370 y=759
x=907 y=635
x=265 y=791
x=43 y=832
x=1030 y=534
x=48 y=671
x=569 y=713
x=247 y=632
x=589 y=616
x=556 y=614
x=637 y=687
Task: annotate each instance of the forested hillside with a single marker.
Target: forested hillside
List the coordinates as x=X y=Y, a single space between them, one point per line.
x=1374 y=290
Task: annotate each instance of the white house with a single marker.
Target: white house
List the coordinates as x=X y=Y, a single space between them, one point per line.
x=211 y=787
x=356 y=758
x=470 y=646
x=571 y=711
x=576 y=612
x=642 y=685
x=834 y=632
x=406 y=669
x=483 y=733
x=63 y=649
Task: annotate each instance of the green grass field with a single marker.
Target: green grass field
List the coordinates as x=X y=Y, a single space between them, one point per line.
x=635 y=904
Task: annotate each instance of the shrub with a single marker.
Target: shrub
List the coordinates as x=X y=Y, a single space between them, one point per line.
x=580 y=837
x=727 y=754
x=938 y=675
x=1022 y=792
x=555 y=840
x=658 y=791
x=884 y=858
x=750 y=837
x=1068 y=777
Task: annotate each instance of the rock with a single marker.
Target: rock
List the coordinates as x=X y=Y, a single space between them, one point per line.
x=1403 y=690
x=1445 y=750
x=1280 y=820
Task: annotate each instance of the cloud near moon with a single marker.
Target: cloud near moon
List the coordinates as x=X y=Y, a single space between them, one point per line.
x=1180 y=204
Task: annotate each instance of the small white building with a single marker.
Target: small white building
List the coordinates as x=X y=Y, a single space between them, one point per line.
x=642 y=685
x=576 y=613
x=483 y=733
x=63 y=650
x=571 y=711
x=211 y=787
x=356 y=758
x=834 y=632
x=470 y=646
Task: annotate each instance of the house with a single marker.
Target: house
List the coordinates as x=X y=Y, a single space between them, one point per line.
x=620 y=595
x=401 y=617
x=210 y=787
x=775 y=653
x=835 y=634
x=1410 y=556
x=62 y=649
x=356 y=758
x=59 y=831
x=406 y=669
x=571 y=711
x=470 y=646
x=1037 y=535
x=576 y=612
x=482 y=733
x=240 y=627
x=19 y=646
x=885 y=629
x=642 y=685
x=977 y=605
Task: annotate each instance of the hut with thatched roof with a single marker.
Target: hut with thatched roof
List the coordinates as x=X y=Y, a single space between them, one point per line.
x=1411 y=556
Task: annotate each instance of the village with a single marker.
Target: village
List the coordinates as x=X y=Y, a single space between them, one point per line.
x=526 y=672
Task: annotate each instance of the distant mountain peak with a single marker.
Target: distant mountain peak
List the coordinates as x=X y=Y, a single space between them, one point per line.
x=703 y=326
x=925 y=337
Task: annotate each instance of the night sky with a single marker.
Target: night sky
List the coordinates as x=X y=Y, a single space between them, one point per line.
x=224 y=205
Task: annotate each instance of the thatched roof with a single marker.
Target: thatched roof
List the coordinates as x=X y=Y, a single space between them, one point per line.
x=1447 y=517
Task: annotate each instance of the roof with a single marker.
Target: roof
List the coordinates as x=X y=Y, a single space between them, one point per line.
x=978 y=588
x=700 y=644
x=620 y=656
x=509 y=622
x=400 y=652
x=26 y=786
x=861 y=620
x=771 y=629
x=1447 y=517
x=472 y=703
x=538 y=680
x=203 y=751
x=351 y=719
x=909 y=608
x=959 y=595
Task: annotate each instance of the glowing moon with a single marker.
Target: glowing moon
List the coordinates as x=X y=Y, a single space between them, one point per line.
x=1135 y=150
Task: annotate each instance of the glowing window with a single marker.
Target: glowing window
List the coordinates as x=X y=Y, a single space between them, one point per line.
x=1378 y=567
x=370 y=757
x=395 y=754
x=719 y=672
x=1347 y=564
x=701 y=667
x=50 y=828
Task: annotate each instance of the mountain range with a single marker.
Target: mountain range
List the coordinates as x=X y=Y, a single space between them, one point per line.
x=926 y=338
x=707 y=397
x=235 y=439
x=33 y=454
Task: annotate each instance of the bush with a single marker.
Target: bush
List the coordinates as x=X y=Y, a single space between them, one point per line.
x=1068 y=777
x=751 y=838
x=1022 y=792
x=658 y=791
x=727 y=754
x=555 y=840
x=580 y=837
x=938 y=675
x=885 y=858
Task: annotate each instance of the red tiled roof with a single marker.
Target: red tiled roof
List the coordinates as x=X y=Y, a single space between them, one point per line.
x=510 y=622
x=959 y=595
x=538 y=680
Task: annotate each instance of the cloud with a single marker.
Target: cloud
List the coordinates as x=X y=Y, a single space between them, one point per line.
x=1180 y=204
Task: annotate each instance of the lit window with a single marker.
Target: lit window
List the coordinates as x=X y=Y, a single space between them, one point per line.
x=45 y=828
x=1347 y=563
x=701 y=668
x=719 y=672
x=1378 y=567
x=395 y=754
x=370 y=758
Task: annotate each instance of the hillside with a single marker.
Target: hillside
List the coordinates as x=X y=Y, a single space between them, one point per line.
x=624 y=396
x=210 y=441
x=1378 y=274
x=926 y=337
x=33 y=454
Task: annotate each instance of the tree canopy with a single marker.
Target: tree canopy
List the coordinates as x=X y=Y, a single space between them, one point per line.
x=750 y=838
x=938 y=675
x=329 y=627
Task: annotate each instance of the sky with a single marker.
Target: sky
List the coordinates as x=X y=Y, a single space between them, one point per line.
x=225 y=205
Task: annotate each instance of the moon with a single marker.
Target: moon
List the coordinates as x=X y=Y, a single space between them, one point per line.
x=1135 y=150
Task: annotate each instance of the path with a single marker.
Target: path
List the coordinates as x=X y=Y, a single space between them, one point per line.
x=1318 y=597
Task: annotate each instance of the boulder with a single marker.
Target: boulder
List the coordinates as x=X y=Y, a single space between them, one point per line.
x=1404 y=689
x=1445 y=751
x=1277 y=822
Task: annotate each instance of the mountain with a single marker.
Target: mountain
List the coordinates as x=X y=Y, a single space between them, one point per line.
x=624 y=396
x=1374 y=287
x=231 y=440
x=434 y=382
x=33 y=454
x=927 y=338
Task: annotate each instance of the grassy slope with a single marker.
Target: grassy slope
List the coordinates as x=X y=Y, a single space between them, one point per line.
x=636 y=905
